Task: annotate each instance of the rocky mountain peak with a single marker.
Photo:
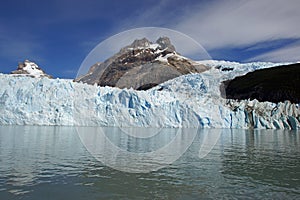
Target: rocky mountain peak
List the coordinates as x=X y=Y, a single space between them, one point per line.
x=162 y=43
x=29 y=68
x=140 y=43
x=165 y=43
x=141 y=65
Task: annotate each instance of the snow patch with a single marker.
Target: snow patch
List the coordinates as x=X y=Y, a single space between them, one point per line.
x=164 y=58
x=154 y=46
x=33 y=69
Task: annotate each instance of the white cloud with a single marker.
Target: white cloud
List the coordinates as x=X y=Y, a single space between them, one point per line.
x=287 y=54
x=154 y=15
x=241 y=23
x=218 y=24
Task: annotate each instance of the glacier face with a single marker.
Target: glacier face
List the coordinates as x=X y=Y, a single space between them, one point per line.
x=192 y=100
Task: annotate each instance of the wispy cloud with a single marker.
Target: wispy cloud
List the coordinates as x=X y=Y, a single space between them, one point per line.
x=260 y=25
x=290 y=53
x=242 y=23
x=252 y=26
x=151 y=15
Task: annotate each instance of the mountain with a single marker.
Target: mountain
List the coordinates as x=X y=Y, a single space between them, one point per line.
x=31 y=69
x=141 y=65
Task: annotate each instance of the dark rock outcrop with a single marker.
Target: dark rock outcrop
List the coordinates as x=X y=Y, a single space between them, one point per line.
x=275 y=84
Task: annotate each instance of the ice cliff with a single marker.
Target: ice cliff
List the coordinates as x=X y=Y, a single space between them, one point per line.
x=192 y=100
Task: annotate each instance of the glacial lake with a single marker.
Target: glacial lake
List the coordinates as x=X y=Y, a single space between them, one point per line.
x=38 y=162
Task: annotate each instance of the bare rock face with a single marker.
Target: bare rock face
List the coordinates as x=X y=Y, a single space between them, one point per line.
x=141 y=65
x=165 y=43
x=28 y=68
x=276 y=84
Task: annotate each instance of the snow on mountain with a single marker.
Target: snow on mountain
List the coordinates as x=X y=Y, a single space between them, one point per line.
x=164 y=58
x=192 y=100
x=32 y=69
x=141 y=65
x=28 y=68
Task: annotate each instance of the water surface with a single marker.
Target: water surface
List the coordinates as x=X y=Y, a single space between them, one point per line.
x=38 y=162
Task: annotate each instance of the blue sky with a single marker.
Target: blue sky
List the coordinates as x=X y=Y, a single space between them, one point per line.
x=58 y=34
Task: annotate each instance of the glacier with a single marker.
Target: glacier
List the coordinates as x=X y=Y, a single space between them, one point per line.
x=192 y=100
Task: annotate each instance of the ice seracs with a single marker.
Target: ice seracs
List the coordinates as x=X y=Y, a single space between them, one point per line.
x=192 y=100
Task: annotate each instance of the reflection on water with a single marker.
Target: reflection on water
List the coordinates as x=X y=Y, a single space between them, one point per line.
x=267 y=158
x=117 y=148
x=39 y=162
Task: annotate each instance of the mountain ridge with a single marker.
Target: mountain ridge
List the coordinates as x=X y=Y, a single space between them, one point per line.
x=142 y=64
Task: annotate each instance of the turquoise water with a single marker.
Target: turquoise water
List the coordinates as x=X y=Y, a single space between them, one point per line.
x=38 y=162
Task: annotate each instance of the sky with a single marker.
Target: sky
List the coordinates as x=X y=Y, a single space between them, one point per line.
x=59 y=34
